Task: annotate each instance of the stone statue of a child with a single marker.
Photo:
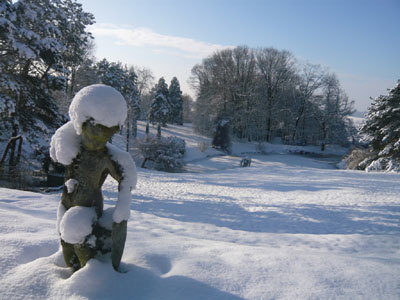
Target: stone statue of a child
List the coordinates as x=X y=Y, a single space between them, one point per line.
x=81 y=145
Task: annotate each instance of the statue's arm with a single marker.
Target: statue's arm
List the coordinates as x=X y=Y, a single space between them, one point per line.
x=123 y=169
x=119 y=230
x=115 y=170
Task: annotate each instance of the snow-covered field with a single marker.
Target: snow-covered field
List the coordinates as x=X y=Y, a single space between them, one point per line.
x=288 y=227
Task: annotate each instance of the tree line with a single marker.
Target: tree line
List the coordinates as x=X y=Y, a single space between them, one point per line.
x=162 y=103
x=265 y=93
x=46 y=56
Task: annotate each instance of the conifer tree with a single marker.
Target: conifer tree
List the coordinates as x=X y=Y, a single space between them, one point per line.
x=159 y=108
x=382 y=125
x=124 y=80
x=176 y=102
x=39 y=41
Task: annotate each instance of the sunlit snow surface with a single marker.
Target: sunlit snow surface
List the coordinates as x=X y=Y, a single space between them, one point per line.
x=288 y=227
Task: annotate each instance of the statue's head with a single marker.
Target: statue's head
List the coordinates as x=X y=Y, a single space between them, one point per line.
x=98 y=107
x=95 y=136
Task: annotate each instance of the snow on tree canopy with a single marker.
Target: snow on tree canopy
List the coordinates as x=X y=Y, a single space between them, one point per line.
x=104 y=104
x=77 y=223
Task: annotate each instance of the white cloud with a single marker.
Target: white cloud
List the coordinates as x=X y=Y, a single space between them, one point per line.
x=141 y=37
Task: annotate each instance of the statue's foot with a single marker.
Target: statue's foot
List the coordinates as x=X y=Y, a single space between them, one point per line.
x=84 y=253
x=70 y=257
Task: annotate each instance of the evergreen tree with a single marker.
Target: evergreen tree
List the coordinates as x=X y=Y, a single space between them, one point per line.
x=382 y=125
x=133 y=98
x=159 y=108
x=176 y=102
x=124 y=80
x=38 y=42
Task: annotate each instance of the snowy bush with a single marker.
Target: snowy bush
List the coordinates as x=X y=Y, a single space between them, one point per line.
x=222 y=136
x=354 y=159
x=164 y=154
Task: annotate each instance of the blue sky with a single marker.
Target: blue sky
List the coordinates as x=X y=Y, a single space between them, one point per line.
x=357 y=39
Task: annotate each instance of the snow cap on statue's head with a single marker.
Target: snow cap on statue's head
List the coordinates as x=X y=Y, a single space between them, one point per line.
x=102 y=103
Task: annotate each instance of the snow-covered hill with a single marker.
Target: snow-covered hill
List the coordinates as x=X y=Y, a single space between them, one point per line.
x=288 y=227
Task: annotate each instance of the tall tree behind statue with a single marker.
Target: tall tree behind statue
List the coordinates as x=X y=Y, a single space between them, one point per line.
x=40 y=42
x=124 y=80
x=160 y=108
x=176 y=102
x=382 y=128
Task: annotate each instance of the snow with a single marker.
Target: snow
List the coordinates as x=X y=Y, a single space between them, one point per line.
x=24 y=51
x=65 y=144
x=98 y=101
x=106 y=220
x=77 y=224
x=70 y=184
x=288 y=227
x=128 y=182
x=60 y=214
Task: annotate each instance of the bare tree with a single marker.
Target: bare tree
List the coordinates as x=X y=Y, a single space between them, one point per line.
x=265 y=93
x=334 y=106
x=145 y=80
x=311 y=80
x=188 y=107
x=276 y=67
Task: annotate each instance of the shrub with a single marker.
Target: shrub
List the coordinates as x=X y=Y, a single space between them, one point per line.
x=354 y=159
x=222 y=136
x=163 y=154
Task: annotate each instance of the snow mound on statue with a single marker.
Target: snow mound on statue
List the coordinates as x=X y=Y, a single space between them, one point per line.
x=77 y=224
x=104 y=104
x=64 y=146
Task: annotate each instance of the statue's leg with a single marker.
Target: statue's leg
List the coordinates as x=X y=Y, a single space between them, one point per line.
x=118 y=242
x=84 y=253
x=70 y=257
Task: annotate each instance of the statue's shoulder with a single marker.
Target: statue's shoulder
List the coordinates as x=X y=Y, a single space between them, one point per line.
x=65 y=144
x=117 y=155
x=124 y=162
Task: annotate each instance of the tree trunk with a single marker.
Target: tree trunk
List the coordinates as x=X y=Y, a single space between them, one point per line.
x=323 y=136
x=159 y=130
x=134 y=129
x=128 y=125
x=269 y=127
x=72 y=88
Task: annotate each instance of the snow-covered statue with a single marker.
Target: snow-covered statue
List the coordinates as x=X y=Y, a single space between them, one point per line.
x=96 y=113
